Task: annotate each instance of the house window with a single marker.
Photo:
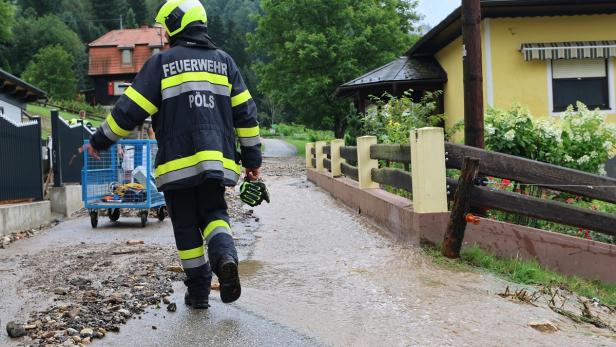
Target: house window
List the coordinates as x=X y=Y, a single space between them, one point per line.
x=580 y=80
x=127 y=57
x=155 y=51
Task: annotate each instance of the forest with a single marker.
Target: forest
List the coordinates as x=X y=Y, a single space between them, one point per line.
x=292 y=54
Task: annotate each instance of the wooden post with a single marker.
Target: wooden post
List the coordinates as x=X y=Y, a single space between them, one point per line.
x=365 y=164
x=428 y=170
x=461 y=207
x=318 y=151
x=337 y=160
x=309 y=147
x=473 y=74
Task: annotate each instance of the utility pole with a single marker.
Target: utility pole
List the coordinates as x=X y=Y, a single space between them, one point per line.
x=121 y=23
x=473 y=74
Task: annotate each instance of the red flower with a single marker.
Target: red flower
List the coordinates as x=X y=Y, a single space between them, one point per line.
x=506 y=182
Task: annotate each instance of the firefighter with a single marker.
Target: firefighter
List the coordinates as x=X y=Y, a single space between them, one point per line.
x=200 y=108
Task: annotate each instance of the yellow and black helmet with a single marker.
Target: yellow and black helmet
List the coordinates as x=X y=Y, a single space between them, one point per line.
x=176 y=15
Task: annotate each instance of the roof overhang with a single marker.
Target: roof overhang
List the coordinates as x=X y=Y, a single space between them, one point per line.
x=19 y=89
x=451 y=27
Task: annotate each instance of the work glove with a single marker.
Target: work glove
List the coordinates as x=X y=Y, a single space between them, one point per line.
x=253 y=193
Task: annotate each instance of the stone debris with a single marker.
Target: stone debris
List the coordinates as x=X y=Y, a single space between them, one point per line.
x=215 y=286
x=96 y=297
x=172 y=307
x=15 y=329
x=25 y=234
x=544 y=327
x=135 y=242
x=175 y=268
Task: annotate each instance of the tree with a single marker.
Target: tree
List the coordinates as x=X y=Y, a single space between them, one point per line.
x=41 y=7
x=79 y=15
x=40 y=33
x=7 y=20
x=311 y=47
x=108 y=12
x=130 y=22
x=140 y=10
x=52 y=70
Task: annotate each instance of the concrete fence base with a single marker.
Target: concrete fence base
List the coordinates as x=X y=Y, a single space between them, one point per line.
x=563 y=253
x=66 y=200
x=17 y=217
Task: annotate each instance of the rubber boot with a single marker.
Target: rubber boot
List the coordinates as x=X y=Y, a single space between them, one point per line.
x=228 y=276
x=198 y=287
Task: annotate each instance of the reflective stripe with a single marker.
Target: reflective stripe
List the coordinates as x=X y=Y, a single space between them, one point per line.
x=108 y=133
x=240 y=98
x=215 y=228
x=192 y=253
x=115 y=128
x=194 y=263
x=141 y=101
x=195 y=170
x=250 y=141
x=195 y=159
x=195 y=77
x=247 y=132
x=193 y=86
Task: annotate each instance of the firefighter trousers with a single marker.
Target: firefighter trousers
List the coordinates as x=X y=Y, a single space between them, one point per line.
x=199 y=215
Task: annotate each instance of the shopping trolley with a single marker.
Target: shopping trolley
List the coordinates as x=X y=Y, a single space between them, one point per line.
x=122 y=179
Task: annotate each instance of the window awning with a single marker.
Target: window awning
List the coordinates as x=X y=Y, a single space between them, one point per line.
x=569 y=50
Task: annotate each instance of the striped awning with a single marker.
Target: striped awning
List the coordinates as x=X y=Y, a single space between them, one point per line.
x=569 y=50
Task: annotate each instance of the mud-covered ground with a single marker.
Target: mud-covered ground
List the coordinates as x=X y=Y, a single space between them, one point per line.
x=313 y=273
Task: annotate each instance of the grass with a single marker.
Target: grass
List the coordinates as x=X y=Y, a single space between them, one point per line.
x=299 y=144
x=45 y=113
x=524 y=272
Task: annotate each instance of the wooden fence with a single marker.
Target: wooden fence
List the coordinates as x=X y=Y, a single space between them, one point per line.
x=422 y=172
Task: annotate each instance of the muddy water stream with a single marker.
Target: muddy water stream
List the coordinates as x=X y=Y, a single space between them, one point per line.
x=326 y=272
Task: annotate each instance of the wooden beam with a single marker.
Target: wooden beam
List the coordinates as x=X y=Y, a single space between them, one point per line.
x=350 y=171
x=548 y=210
x=393 y=177
x=530 y=171
x=397 y=153
x=349 y=153
x=461 y=207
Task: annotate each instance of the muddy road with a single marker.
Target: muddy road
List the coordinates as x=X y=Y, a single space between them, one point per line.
x=313 y=272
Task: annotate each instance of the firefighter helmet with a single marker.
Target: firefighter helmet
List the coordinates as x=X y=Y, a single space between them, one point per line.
x=176 y=15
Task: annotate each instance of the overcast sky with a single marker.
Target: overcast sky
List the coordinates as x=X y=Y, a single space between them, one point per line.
x=435 y=11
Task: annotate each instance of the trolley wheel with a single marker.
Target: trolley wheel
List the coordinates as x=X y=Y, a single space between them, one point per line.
x=114 y=214
x=161 y=213
x=94 y=218
x=144 y=218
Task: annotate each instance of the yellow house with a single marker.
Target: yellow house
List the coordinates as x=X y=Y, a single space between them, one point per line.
x=543 y=54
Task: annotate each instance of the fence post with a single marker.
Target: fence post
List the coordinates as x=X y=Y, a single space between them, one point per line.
x=336 y=159
x=364 y=163
x=55 y=154
x=318 y=151
x=428 y=170
x=309 y=147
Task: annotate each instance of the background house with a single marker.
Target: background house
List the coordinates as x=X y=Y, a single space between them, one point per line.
x=543 y=54
x=117 y=56
x=14 y=95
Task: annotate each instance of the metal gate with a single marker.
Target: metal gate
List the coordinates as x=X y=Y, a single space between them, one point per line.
x=21 y=165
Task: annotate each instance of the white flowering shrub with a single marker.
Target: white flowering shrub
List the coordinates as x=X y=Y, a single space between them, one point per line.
x=581 y=140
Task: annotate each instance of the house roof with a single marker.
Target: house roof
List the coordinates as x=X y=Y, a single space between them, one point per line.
x=403 y=70
x=129 y=38
x=19 y=89
x=451 y=27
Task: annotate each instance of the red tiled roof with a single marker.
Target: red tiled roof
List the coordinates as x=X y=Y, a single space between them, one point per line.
x=131 y=37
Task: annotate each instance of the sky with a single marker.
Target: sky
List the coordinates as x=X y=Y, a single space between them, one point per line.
x=435 y=11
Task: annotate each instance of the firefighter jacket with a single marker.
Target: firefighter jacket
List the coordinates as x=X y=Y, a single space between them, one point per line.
x=200 y=109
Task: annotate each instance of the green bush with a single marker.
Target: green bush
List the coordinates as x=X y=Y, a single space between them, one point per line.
x=394 y=117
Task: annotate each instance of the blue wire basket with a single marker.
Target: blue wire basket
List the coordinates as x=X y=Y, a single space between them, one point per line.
x=122 y=179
